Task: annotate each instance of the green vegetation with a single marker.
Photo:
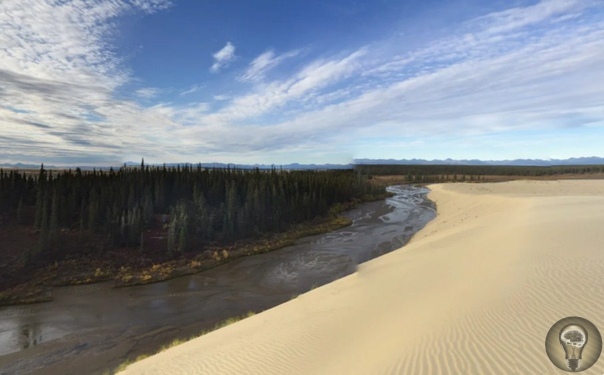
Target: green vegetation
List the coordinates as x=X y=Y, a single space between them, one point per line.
x=473 y=173
x=139 y=217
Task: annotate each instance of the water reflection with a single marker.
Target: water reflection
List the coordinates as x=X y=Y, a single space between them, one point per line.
x=30 y=335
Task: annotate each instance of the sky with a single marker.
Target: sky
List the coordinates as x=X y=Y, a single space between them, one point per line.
x=102 y=82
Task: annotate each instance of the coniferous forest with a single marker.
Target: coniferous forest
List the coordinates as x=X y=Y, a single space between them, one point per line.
x=192 y=206
x=438 y=173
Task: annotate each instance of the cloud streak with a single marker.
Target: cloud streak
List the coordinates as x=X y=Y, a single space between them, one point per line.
x=147 y=92
x=520 y=17
x=262 y=64
x=223 y=57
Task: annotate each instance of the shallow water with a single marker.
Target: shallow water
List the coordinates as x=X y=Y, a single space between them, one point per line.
x=112 y=324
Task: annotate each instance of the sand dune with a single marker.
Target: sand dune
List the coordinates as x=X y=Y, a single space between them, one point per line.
x=475 y=292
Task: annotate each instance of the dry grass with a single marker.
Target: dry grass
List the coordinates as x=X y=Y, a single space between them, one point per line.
x=178 y=341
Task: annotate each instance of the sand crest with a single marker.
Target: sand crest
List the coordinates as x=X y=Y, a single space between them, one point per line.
x=475 y=292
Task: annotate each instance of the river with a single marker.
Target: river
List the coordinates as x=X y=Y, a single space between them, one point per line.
x=92 y=328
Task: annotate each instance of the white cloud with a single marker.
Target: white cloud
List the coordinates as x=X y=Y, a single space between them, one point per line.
x=275 y=95
x=223 y=57
x=263 y=63
x=530 y=68
x=191 y=90
x=520 y=17
x=147 y=92
x=58 y=70
x=478 y=81
x=151 y=6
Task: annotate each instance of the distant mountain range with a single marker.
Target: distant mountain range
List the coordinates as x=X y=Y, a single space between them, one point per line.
x=204 y=165
x=592 y=160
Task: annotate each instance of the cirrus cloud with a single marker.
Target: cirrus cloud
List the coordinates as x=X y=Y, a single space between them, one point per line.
x=223 y=57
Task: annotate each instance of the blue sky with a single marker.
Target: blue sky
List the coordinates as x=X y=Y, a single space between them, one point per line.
x=266 y=81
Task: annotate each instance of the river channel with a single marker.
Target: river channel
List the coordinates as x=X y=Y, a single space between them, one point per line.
x=90 y=329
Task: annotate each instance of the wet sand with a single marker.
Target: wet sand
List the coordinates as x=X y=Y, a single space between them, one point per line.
x=475 y=292
x=92 y=328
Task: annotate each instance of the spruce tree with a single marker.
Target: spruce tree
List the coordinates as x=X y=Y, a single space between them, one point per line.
x=43 y=235
x=53 y=230
x=20 y=211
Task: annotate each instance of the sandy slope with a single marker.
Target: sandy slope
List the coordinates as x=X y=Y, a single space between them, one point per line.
x=475 y=292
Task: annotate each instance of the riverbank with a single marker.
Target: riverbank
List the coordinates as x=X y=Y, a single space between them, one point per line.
x=85 y=270
x=94 y=328
x=499 y=265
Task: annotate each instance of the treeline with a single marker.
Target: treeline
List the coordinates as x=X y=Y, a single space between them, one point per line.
x=193 y=204
x=452 y=173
